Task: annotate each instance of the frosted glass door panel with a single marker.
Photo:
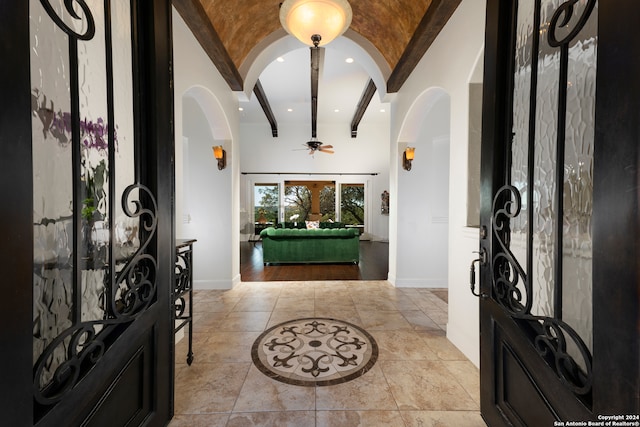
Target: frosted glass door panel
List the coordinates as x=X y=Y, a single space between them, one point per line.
x=544 y=274
x=82 y=130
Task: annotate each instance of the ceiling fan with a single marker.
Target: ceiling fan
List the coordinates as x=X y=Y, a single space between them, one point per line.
x=315 y=145
x=317 y=55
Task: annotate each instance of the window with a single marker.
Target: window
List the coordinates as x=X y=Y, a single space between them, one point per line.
x=352 y=204
x=310 y=200
x=297 y=201
x=266 y=203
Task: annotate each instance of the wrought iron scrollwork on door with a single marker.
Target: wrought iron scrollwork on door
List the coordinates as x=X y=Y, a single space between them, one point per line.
x=539 y=173
x=74 y=35
x=507 y=271
x=513 y=291
x=125 y=276
x=131 y=294
x=136 y=282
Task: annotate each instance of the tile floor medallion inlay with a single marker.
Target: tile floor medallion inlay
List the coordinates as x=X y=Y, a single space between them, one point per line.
x=314 y=352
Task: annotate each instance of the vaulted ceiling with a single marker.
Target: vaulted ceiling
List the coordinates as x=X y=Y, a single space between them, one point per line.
x=399 y=31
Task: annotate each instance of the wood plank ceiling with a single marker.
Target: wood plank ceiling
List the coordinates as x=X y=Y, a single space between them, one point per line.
x=401 y=30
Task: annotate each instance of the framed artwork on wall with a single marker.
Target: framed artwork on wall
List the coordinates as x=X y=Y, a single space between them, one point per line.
x=384 y=205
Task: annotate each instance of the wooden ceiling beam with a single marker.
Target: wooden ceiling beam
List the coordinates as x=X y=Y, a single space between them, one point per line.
x=264 y=103
x=198 y=22
x=365 y=99
x=432 y=23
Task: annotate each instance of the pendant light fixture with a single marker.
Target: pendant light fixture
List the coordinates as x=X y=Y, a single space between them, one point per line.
x=304 y=19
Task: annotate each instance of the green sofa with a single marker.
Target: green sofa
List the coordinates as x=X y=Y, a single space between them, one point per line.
x=322 y=245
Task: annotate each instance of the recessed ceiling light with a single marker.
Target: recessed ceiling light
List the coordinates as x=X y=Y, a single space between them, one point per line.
x=289 y=109
x=382 y=110
x=280 y=59
x=240 y=109
x=336 y=111
x=348 y=60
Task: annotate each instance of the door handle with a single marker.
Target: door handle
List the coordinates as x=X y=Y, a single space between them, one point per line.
x=481 y=260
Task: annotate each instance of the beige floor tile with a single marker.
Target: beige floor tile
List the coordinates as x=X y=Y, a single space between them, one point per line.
x=440 y=317
x=199 y=294
x=332 y=294
x=383 y=320
x=273 y=419
x=359 y=419
x=308 y=292
x=370 y=391
x=208 y=387
x=372 y=303
x=256 y=303
x=440 y=304
x=350 y=316
x=239 y=290
x=402 y=345
x=182 y=347
x=248 y=321
x=225 y=347
x=261 y=393
x=213 y=294
x=204 y=321
x=334 y=285
x=278 y=317
x=427 y=305
x=467 y=375
x=425 y=385
x=223 y=305
x=420 y=321
x=335 y=304
x=404 y=303
x=443 y=347
x=294 y=303
x=204 y=420
x=391 y=293
x=264 y=287
x=443 y=419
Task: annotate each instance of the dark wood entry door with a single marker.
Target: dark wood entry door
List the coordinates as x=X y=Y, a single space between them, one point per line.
x=559 y=219
x=86 y=149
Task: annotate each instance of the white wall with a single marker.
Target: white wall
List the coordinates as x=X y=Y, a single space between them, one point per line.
x=367 y=154
x=423 y=200
x=214 y=195
x=448 y=64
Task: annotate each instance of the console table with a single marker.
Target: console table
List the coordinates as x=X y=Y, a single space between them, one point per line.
x=183 y=291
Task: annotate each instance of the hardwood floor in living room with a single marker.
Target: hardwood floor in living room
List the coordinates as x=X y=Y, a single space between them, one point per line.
x=374 y=265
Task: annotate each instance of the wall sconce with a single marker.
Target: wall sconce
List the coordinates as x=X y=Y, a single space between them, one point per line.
x=407 y=158
x=220 y=155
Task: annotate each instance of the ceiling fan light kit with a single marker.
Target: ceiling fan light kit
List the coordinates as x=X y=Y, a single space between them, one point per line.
x=304 y=19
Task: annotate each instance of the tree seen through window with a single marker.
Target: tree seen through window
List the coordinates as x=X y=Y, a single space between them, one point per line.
x=352 y=204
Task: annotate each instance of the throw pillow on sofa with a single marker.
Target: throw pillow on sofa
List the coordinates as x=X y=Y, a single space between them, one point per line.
x=312 y=225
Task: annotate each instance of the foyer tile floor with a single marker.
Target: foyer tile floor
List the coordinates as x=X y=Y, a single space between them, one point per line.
x=418 y=379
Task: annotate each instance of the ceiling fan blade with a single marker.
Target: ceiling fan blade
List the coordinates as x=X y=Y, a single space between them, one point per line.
x=328 y=151
x=324 y=147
